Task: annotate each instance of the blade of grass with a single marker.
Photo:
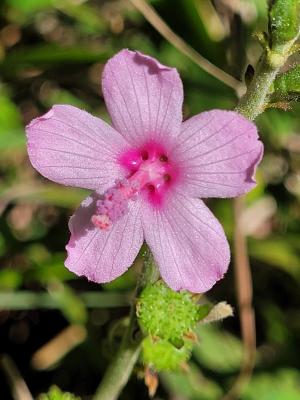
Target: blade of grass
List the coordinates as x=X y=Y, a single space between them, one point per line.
x=26 y=300
x=17 y=384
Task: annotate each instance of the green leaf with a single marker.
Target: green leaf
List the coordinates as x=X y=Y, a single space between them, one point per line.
x=46 y=193
x=26 y=300
x=278 y=253
x=47 y=55
x=30 y=6
x=12 y=134
x=282 y=385
x=289 y=82
x=217 y=350
x=192 y=385
x=10 y=279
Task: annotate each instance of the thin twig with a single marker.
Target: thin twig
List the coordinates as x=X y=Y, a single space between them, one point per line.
x=243 y=283
x=18 y=386
x=154 y=19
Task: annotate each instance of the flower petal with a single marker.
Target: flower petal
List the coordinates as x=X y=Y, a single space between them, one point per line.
x=188 y=243
x=220 y=151
x=144 y=97
x=99 y=255
x=70 y=146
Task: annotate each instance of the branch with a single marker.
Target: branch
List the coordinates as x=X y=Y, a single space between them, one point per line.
x=154 y=19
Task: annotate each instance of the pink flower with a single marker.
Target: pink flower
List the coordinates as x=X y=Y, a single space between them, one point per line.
x=147 y=173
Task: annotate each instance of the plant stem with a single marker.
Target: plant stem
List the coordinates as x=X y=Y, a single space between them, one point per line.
x=160 y=25
x=120 y=369
x=26 y=300
x=251 y=105
x=254 y=100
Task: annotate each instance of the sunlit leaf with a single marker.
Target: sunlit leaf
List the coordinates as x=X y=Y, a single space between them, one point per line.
x=217 y=349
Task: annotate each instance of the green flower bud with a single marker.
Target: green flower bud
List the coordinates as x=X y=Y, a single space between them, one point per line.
x=284 y=21
x=56 y=394
x=167 y=314
x=161 y=355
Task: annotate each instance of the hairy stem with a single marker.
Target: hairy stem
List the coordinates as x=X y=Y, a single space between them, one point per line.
x=251 y=105
x=255 y=99
x=119 y=371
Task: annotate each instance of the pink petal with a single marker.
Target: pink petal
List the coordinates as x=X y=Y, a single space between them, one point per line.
x=220 y=151
x=100 y=255
x=144 y=97
x=70 y=146
x=188 y=243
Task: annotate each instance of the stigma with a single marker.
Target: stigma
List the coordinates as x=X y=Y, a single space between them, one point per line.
x=149 y=173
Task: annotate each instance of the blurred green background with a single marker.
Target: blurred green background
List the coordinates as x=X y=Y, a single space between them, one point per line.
x=53 y=51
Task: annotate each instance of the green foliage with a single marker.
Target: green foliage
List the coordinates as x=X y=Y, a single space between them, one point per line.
x=56 y=394
x=217 y=349
x=161 y=355
x=12 y=134
x=10 y=279
x=288 y=84
x=56 y=55
x=278 y=253
x=168 y=314
x=282 y=385
x=30 y=6
x=284 y=20
x=192 y=385
x=47 y=55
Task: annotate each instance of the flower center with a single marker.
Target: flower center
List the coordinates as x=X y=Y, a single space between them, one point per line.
x=149 y=173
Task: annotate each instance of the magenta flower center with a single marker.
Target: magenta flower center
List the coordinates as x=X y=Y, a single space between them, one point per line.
x=149 y=172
